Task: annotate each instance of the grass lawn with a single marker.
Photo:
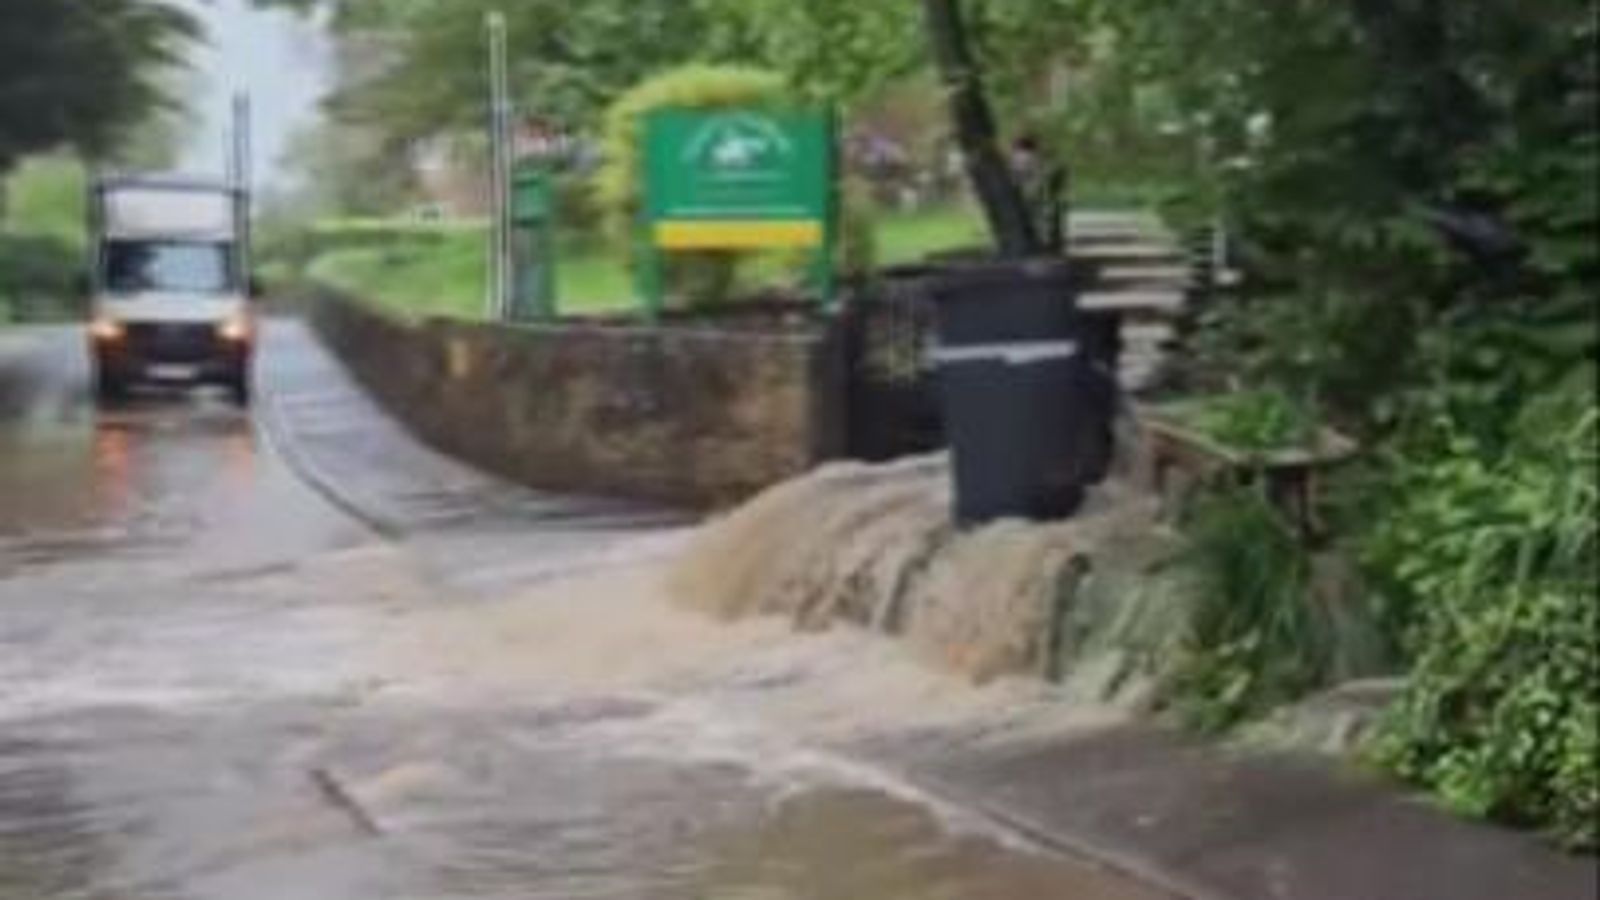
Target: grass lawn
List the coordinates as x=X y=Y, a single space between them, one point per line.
x=446 y=277
x=906 y=237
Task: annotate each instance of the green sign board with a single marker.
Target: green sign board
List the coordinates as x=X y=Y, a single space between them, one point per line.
x=739 y=179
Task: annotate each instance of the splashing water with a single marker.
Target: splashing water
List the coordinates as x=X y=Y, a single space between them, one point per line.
x=874 y=545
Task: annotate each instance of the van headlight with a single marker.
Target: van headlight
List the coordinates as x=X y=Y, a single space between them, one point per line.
x=106 y=329
x=235 y=329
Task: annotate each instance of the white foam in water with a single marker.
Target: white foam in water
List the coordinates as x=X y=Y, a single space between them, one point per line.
x=695 y=732
x=24 y=699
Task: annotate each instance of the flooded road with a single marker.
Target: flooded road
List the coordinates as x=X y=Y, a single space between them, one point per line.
x=215 y=684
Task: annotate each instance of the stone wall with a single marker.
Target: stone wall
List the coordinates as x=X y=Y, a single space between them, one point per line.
x=689 y=414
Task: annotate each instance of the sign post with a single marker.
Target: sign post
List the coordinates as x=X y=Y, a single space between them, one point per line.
x=737 y=179
x=499 y=282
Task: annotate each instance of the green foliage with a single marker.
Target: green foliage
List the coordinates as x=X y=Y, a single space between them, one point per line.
x=851 y=52
x=347 y=169
x=1257 y=420
x=1352 y=351
x=1415 y=188
x=46 y=196
x=83 y=72
x=41 y=238
x=1490 y=561
x=830 y=49
x=858 y=236
x=567 y=62
x=1367 y=153
x=38 y=277
x=1256 y=635
x=699 y=277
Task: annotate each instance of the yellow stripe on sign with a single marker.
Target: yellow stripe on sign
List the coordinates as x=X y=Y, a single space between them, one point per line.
x=737 y=235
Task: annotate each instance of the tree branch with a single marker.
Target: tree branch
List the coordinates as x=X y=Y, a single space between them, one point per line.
x=972 y=117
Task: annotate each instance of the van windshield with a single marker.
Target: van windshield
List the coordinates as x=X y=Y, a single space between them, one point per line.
x=178 y=266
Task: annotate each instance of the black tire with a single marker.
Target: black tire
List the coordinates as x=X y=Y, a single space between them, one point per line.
x=239 y=389
x=109 y=389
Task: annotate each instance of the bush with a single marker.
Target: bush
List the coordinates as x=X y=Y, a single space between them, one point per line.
x=858 y=235
x=1256 y=635
x=47 y=196
x=1258 y=420
x=39 y=277
x=706 y=276
x=575 y=205
x=1491 y=560
x=1229 y=616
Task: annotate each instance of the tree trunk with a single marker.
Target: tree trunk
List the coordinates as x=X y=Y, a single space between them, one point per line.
x=1005 y=207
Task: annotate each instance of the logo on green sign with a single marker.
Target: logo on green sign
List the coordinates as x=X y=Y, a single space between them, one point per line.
x=742 y=147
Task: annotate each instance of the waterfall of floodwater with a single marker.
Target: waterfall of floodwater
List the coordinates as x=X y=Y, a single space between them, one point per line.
x=874 y=545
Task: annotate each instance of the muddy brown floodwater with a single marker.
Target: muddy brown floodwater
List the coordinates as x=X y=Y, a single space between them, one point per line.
x=213 y=684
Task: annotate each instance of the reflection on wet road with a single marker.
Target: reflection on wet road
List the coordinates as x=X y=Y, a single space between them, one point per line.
x=165 y=473
x=210 y=687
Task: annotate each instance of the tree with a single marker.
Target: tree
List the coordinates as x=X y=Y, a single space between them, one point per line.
x=1011 y=222
x=840 y=51
x=425 y=70
x=1411 y=168
x=344 y=169
x=84 y=72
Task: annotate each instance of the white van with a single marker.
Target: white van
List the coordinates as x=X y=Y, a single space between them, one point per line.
x=170 y=300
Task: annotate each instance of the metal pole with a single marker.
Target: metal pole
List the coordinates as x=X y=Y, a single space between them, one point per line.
x=243 y=179
x=500 y=169
x=241 y=141
x=230 y=147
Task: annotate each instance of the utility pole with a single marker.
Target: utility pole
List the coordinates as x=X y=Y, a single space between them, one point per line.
x=499 y=281
x=240 y=176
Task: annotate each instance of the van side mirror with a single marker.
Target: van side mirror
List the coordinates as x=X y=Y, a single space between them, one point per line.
x=81 y=287
x=253 y=287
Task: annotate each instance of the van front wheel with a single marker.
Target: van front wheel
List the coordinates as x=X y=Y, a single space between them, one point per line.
x=239 y=388
x=109 y=388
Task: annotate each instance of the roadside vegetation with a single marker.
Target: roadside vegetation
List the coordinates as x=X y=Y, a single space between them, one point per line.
x=41 y=238
x=80 y=83
x=1434 y=295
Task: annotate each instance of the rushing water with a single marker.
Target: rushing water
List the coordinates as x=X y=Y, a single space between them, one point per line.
x=212 y=685
x=873 y=545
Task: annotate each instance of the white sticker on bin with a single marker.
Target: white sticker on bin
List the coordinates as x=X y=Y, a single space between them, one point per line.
x=1019 y=353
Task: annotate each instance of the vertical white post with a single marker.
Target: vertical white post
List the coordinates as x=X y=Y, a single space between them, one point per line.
x=499 y=287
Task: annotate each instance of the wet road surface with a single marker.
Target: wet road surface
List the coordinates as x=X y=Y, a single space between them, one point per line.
x=214 y=683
